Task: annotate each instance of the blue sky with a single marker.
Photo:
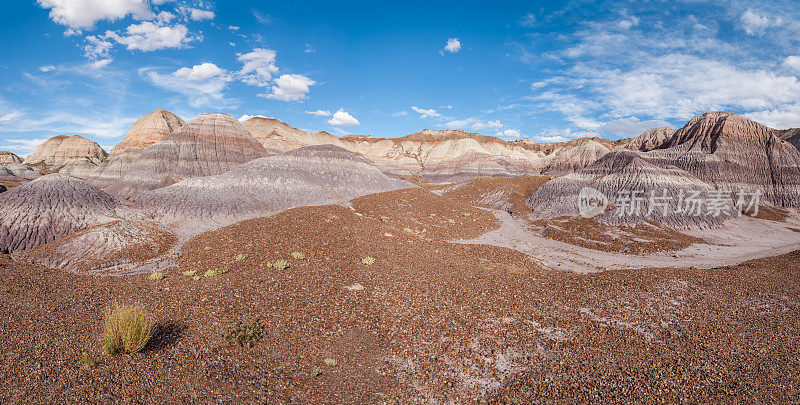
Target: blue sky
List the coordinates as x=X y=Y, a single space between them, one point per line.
x=547 y=71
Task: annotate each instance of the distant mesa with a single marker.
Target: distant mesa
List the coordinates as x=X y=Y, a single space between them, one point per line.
x=729 y=151
x=50 y=207
x=278 y=137
x=791 y=135
x=207 y=145
x=72 y=155
x=314 y=175
x=650 y=139
x=146 y=131
x=8 y=157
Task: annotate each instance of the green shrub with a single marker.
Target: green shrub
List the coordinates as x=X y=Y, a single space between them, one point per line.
x=244 y=334
x=156 y=276
x=189 y=273
x=316 y=371
x=195 y=278
x=210 y=273
x=280 y=265
x=331 y=362
x=240 y=257
x=369 y=260
x=207 y=248
x=127 y=329
x=298 y=256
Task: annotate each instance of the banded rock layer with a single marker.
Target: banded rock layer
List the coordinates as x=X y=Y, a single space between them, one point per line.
x=314 y=175
x=72 y=155
x=146 y=131
x=207 y=145
x=50 y=207
x=278 y=137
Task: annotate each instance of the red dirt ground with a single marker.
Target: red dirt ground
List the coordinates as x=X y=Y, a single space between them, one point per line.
x=435 y=322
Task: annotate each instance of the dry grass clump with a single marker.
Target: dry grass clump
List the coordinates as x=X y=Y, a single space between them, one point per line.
x=368 y=261
x=280 y=265
x=298 y=255
x=244 y=334
x=127 y=329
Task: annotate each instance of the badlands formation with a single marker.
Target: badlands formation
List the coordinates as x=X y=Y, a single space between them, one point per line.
x=424 y=268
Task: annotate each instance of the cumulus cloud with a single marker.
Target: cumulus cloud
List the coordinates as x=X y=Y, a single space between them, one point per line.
x=97 y=47
x=197 y=14
x=509 y=133
x=453 y=45
x=291 y=88
x=430 y=112
x=792 y=62
x=755 y=23
x=100 y=63
x=258 y=66
x=246 y=117
x=151 y=36
x=320 y=113
x=83 y=14
x=47 y=68
x=234 y=28
x=204 y=85
x=343 y=119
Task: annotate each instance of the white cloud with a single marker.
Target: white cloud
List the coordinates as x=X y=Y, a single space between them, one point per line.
x=259 y=66
x=201 y=72
x=202 y=88
x=342 y=119
x=509 y=133
x=453 y=45
x=149 y=36
x=755 y=23
x=309 y=49
x=549 y=139
x=105 y=125
x=474 y=123
x=430 y=112
x=528 y=20
x=10 y=116
x=97 y=47
x=196 y=14
x=83 y=14
x=234 y=27
x=399 y=113
x=100 y=63
x=291 y=87
x=246 y=117
x=629 y=127
x=320 y=113
x=47 y=68
x=22 y=147
x=627 y=23
x=792 y=62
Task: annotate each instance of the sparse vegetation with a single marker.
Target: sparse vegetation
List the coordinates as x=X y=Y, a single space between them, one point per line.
x=156 y=276
x=207 y=248
x=240 y=257
x=195 y=278
x=244 y=334
x=127 y=329
x=88 y=361
x=190 y=273
x=298 y=256
x=331 y=362
x=368 y=261
x=280 y=265
x=316 y=371
x=211 y=273
x=408 y=230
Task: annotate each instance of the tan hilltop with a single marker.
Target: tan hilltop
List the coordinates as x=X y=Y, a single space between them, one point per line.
x=72 y=155
x=145 y=131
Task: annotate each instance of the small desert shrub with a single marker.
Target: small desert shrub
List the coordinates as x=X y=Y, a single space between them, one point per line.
x=244 y=334
x=369 y=260
x=210 y=273
x=190 y=273
x=127 y=329
x=298 y=256
x=240 y=257
x=331 y=362
x=156 y=276
x=280 y=265
x=207 y=248
x=195 y=278
x=316 y=371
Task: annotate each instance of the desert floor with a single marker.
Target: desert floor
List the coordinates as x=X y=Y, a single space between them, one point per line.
x=435 y=321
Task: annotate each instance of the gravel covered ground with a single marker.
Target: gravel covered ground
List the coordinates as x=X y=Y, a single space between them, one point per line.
x=428 y=321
